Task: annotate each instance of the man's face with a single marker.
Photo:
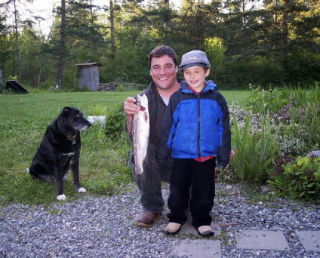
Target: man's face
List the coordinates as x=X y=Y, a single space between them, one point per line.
x=163 y=71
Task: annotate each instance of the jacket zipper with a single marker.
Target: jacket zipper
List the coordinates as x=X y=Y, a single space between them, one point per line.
x=198 y=97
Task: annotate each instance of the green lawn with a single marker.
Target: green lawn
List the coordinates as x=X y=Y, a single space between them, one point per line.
x=103 y=163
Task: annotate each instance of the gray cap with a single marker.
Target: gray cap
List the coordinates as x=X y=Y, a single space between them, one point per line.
x=194 y=57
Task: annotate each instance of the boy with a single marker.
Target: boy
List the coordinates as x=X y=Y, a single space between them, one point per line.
x=196 y=132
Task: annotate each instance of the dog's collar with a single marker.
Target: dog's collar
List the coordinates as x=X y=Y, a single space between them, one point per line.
x=72 y=138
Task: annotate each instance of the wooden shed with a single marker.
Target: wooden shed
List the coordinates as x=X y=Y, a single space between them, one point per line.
x=89 y=76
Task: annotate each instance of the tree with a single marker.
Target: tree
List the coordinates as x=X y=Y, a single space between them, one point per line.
x=16 y=26
x=77 y=37
x=278 y=43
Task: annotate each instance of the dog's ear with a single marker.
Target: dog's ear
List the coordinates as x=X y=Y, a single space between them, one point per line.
x=65 y=110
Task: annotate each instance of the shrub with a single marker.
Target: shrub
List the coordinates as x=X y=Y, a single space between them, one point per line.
x=98 y=110
x=290 y=139
x=300 y=179
x=299 y=128
x=308 y=116
x=116 y=121
x=264 y=101
x=281 y=162
x=295 y=114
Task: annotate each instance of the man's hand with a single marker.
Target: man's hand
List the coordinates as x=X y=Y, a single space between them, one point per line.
x=130 y=108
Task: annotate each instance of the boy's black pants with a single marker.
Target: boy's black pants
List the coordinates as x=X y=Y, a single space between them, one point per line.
x=199 y=176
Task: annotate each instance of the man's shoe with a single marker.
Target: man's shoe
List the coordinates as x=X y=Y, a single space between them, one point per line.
x=205 y=231
x=147 y=219
x=172 y=228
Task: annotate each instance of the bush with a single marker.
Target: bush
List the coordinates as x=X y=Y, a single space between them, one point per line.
x=265 y=101
x=295 y=116
x=300 y=179
x=116 y=121
x=299 y=128
x=98 y=110
x=290 y=138
x=308 y=117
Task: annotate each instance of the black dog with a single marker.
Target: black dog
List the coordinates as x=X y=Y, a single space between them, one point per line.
x=60 y=150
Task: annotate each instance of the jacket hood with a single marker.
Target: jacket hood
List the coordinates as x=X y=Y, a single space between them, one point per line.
x=209 y=86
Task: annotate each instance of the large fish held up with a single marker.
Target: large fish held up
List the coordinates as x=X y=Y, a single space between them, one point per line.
x=140 y=133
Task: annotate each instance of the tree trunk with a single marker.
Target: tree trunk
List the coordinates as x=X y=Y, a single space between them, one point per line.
x=285 y=30
x=113 y=47
x=166 y=20
x=1 y=77
x=276 y=14
x=62 y=50
x=40 y=71
x=17 y=40
x=243 y=9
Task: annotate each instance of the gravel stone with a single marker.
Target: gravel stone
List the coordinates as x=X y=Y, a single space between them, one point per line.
x=104 y=226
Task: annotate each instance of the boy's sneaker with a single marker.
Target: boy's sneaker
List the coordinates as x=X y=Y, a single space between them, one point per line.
x=205 y=231
x=172 y=228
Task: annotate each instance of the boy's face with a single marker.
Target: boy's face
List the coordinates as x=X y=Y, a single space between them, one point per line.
x=195 y=77
x=163 y=72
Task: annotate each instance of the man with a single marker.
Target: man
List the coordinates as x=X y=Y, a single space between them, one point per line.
x=163 y=70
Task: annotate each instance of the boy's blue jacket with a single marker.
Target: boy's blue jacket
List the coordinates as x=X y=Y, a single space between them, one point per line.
x=196 y=125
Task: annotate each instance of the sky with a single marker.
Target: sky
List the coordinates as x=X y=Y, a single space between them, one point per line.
x=44 y=9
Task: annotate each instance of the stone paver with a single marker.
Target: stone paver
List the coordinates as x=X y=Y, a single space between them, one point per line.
x=198 y=249
x=261 y=240
x=247 y=239
x=310 y=240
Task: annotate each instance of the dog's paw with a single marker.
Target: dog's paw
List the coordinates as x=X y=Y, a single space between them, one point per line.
x=61 y=197
x=82 y=190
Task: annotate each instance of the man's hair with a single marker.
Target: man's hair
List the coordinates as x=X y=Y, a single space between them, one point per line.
x=163 y=50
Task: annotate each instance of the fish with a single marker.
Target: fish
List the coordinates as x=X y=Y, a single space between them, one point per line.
x=140 y=133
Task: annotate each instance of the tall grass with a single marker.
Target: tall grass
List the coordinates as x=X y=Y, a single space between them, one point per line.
x=254 y=151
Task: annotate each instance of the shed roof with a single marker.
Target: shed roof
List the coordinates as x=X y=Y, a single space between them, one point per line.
x=88 y=64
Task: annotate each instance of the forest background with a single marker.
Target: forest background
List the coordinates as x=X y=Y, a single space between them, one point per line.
x=266 y=43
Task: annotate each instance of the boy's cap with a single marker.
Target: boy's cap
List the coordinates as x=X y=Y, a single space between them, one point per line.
x=193 y=58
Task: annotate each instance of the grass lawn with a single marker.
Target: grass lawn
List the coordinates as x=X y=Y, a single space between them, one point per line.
x=103 y=162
